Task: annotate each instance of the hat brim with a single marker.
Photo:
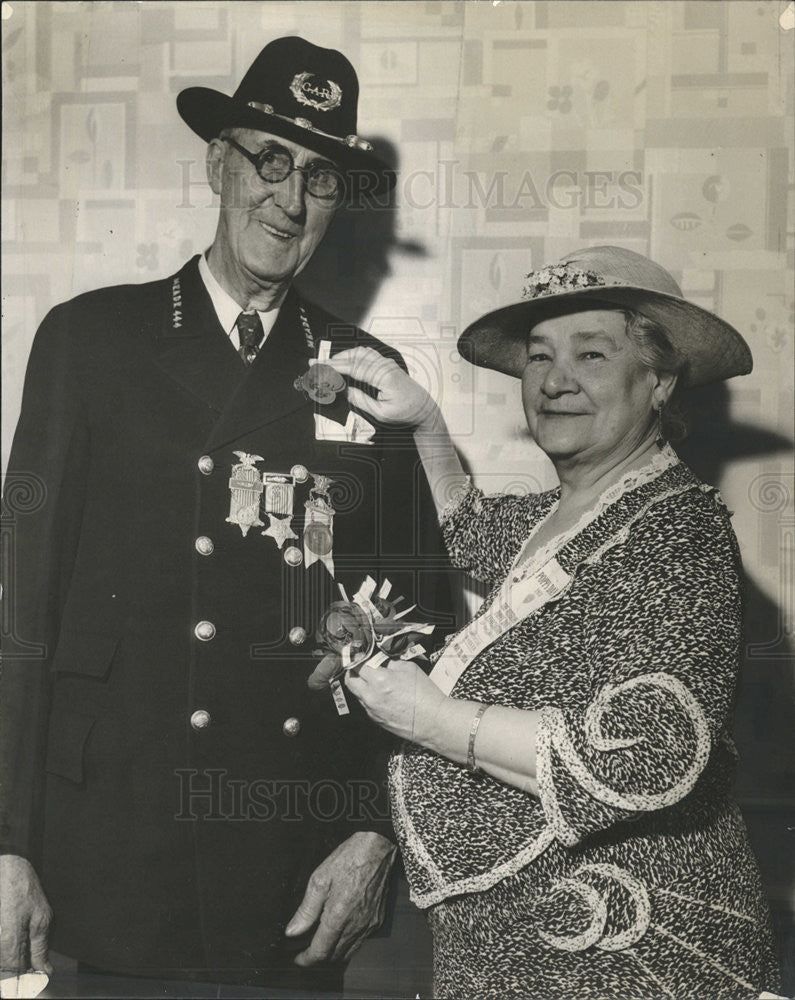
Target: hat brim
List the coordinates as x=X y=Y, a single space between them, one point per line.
x=208 y=111
x=713 y=349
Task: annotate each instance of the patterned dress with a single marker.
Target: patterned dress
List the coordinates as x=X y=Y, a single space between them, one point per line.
x=630 y=876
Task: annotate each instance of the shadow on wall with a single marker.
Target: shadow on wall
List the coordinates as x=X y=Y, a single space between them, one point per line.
x=346 y=271
x=765 y=711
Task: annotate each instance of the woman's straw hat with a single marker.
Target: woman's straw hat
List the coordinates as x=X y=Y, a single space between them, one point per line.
x=610 y=278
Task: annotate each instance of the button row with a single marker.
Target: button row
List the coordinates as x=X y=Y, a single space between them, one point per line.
x=206 y=630
x=206 y=546
x=201 y=719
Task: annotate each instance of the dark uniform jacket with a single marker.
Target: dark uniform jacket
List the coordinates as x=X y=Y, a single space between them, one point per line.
x=167 y=840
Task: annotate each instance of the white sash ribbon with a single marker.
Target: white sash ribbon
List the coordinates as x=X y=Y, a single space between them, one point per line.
x=514 y=602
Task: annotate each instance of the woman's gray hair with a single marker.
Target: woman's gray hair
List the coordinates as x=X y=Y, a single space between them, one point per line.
x=656 y=351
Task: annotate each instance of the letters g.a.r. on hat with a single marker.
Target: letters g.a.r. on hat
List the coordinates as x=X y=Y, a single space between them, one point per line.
x=298 y=91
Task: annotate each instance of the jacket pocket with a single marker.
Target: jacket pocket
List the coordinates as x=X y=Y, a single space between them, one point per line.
x=66 y=745
x=87 y=653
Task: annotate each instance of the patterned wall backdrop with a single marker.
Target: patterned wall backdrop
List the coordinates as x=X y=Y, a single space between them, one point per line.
x=520 y=131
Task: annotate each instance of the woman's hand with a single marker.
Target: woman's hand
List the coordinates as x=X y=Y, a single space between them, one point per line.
x=400 y=698
x=400 y=402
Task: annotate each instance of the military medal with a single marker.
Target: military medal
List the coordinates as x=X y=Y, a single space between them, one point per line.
x=321 y=383
x=279 y=490
x=319 y=525
x=277 y=502
x=246 y=489
x=280 y=529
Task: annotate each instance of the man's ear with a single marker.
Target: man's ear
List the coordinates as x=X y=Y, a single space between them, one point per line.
x=214 y=161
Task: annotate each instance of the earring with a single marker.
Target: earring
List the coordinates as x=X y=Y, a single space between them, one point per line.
x=660 y=440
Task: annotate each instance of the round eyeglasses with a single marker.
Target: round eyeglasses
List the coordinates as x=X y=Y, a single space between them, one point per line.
x=275 y=163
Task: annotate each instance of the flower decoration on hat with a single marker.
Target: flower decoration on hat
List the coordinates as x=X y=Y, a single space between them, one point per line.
x=558 y=278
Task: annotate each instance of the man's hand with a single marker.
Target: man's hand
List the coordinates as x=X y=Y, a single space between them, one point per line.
x=348 y=893
x=25 y=917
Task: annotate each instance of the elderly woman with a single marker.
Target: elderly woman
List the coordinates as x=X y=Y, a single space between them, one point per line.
x=563 y=798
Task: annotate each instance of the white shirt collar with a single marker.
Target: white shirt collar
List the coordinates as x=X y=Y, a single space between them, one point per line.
x=225 y=306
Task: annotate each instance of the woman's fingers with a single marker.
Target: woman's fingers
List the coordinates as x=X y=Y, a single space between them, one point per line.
x=361 y=400
x=364 y=365
x=399 y=400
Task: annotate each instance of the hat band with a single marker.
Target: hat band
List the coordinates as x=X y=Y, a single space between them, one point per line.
x=353 y=141
x=555 y=279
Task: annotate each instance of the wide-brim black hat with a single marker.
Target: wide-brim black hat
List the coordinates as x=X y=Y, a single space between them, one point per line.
x=609 y=277
x=301 y=92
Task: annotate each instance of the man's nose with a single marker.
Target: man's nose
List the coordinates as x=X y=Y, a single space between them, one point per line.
x=290 y=194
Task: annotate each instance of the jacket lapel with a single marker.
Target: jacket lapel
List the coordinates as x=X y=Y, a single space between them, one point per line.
x=191 y=347
x=265 y=392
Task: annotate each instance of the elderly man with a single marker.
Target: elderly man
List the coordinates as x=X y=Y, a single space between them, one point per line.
x=192 y=805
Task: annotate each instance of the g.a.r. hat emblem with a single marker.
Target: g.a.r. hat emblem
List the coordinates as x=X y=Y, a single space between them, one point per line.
x=312 y=90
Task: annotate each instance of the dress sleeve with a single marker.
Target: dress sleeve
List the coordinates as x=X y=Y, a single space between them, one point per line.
x=662 y=631
x=483 y=533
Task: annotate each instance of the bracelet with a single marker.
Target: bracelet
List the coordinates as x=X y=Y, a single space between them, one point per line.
x=471 y=762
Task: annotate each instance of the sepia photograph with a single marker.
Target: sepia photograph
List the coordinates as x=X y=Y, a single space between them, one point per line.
x=398 y=499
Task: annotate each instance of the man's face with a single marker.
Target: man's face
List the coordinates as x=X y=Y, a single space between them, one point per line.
x=267 y=231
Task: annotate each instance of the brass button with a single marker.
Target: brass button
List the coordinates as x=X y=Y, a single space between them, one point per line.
x=200 y=719
x=297 y=635
x=291 y=726
x=204 y=631
x=293 y=556
x=204 y=545
x=206 y=465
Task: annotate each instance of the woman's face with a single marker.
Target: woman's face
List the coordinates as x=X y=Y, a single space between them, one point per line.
x=586 y=394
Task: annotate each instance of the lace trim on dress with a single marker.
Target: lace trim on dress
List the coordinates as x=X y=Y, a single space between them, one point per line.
x=657 y=464
x=553 y=735
x=472 y=883
x=421 y=854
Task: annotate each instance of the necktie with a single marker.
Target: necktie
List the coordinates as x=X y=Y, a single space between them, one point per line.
x=249 y=329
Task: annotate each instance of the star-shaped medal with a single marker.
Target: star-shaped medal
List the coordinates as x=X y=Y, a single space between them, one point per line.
x=279 y=529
